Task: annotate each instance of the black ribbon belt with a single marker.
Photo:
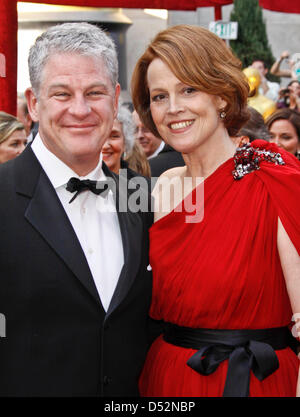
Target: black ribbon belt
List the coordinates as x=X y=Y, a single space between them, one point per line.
x=246 y=350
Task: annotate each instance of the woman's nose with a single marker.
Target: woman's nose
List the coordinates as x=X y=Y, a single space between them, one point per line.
x=275 y=139
x=175 y=105
x=21 y=148
x=106 y=144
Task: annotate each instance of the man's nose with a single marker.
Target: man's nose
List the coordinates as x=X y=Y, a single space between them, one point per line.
x=79 y=107
x=139 y=132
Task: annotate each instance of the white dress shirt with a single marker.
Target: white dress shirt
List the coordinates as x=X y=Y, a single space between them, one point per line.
x=272 y=92
x=94 y=220
x=157 y=151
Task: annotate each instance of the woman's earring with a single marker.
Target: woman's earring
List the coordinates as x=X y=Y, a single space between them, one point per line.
x=223 y=114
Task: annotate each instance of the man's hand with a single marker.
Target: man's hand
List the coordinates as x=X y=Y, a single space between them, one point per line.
x=284 y=55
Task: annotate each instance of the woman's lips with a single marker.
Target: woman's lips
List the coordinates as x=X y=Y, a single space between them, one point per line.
x=180 y=125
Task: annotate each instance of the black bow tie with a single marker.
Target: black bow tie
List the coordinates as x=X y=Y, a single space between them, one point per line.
x=97 y=187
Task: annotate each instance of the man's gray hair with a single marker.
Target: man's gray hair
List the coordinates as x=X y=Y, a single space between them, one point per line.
x=80 y=38
x=124 y=116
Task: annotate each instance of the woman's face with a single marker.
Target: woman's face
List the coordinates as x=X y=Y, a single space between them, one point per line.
x=284 y=135
x=114 y=147
x=186 y=118
x=13 y=145
x=295 y=88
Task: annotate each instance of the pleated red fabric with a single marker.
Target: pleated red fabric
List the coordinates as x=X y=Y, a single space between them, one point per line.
x=225 y=273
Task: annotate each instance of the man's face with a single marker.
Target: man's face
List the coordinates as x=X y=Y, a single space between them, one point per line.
x=75 y=109
x=147 y=140
x=23 y=116
x=259 y=65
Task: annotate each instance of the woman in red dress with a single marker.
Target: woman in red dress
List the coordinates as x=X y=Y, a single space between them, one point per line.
x=225 y=245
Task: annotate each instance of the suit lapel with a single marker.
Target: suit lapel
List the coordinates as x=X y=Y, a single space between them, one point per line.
x=131 y=228
x=47 y=216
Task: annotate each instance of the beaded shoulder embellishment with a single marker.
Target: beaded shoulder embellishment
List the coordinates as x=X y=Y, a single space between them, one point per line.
x=248 y=158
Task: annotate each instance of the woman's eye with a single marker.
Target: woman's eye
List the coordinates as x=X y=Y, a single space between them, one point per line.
x=189 y=90
x=158 y=97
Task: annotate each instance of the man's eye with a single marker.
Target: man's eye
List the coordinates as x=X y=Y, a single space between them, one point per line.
x=61 y=94
x=95 y=93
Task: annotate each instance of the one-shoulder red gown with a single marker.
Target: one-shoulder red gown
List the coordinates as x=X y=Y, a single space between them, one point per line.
x=225 y=273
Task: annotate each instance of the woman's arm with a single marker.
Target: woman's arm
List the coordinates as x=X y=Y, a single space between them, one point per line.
x=290 y=262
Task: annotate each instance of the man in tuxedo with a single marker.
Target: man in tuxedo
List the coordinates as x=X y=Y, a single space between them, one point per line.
x=75 y=288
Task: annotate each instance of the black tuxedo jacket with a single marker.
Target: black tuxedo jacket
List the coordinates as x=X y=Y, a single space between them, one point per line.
x=59 y=340
x=166 y=159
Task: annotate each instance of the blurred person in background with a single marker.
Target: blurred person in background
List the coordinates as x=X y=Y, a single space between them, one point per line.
x=284 y=128
x=289 y=96
x=289 y=73
x=150 y=143
x=12 y=137
x=267 y=88
x=137 y=160
x=31 y=127
x=23 y=114
x=120 y=150
x=254 y=128
x=160 y=155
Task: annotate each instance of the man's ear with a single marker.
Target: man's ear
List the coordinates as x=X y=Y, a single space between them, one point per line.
x=116 y=99
x=32 y=104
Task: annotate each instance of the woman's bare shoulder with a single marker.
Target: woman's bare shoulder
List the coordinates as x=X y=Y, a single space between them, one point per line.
x=173 y=172
x=167 y=192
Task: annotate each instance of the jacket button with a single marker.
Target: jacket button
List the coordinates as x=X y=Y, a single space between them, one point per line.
x=107 y=380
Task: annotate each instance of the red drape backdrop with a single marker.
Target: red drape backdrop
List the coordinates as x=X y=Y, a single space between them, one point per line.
x=9 y=26
x=139 y=4
x=8 y=50
x=287 y=6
